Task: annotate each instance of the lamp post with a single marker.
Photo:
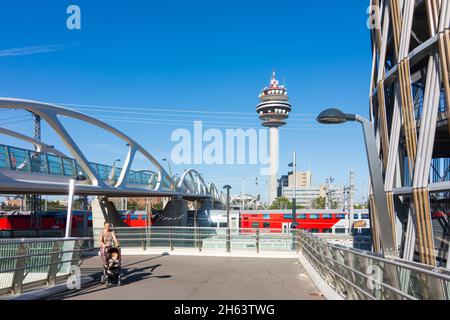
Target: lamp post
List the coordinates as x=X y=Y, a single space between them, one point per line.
x=112 y=174
x=293 y=164
x=228 y=187
x=336 y=116
x=170 y=167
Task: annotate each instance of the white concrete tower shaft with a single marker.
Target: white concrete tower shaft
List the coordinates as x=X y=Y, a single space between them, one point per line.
x=274 y=165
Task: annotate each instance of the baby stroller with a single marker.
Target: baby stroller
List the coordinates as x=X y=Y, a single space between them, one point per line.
x=112 y=266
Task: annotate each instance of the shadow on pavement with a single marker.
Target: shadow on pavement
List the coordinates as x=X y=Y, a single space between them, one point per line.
x=129 y=276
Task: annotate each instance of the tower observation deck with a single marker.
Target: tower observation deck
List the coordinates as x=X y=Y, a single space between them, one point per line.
x=274 y=106
x=273 y=110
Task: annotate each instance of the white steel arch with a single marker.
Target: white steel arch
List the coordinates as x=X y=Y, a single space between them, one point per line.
x=165 y=186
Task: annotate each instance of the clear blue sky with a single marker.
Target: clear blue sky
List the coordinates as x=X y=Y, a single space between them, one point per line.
x=195 y=55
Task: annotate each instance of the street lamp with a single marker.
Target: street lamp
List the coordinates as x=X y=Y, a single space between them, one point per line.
x=170 y=168
x=336 y=116
x=293 y=164
x=228 y=187
x=112 y=174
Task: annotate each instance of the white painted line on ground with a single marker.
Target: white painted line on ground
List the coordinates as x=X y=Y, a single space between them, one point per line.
x=210 y=253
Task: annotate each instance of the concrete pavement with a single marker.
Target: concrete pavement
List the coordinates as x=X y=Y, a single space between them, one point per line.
x=199 y=278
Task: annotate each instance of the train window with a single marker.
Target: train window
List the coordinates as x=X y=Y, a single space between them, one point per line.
x=314 y=230
x=287 y=216
x=326 y=230
x=266 y=224
x=255 y=224
x=301 y=216
x=266 y=216
x=340 y=215
x=355 y=216
x=365 y=216
x=339 y=230
x=314 y=216
x=327 y=215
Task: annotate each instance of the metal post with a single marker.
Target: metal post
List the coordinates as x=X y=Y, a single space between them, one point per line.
x=195 y=213
x=257 y=240
x=53 y=266
x=297 y=240
x=384 y=223
x=228 y=221
x=143 y=239
x=19 y=273
x=199 y=242
x=228 y=240
x=69 y=208
x=350 y=202
x=294 y=192
x=170 y=239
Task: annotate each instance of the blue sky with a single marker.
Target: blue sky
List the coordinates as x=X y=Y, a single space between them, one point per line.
x=197 y=56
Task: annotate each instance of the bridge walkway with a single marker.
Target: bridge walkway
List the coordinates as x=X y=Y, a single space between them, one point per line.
x=156 y=277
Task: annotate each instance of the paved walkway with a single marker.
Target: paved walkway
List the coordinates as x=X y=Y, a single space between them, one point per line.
x=194 y=277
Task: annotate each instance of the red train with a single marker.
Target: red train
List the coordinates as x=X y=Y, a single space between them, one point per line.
x=47 y=221
x=325 y=221
x=57 y=220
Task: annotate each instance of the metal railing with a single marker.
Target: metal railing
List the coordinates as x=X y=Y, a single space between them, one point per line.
x=358 y=274
x=44 y=233
x=202 y=238
x=352 y=273
x=26 y=263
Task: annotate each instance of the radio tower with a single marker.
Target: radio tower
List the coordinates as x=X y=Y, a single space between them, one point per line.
x=273 y=110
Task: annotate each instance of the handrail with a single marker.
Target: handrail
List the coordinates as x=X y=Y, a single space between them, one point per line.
x=395 y=262
x=32 y=262
x=398 y=277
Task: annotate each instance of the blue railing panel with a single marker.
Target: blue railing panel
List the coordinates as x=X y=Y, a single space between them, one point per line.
x=18 y=159
x=38 y=162
x=54 y=165
x=4 y=158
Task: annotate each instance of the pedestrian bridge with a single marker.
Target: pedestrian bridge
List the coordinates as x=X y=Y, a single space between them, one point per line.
x=47 y=170
x=215 y=263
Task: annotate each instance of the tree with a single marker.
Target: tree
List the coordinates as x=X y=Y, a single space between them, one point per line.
x=281 y=203
x=334 y=205
x=318 y=203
